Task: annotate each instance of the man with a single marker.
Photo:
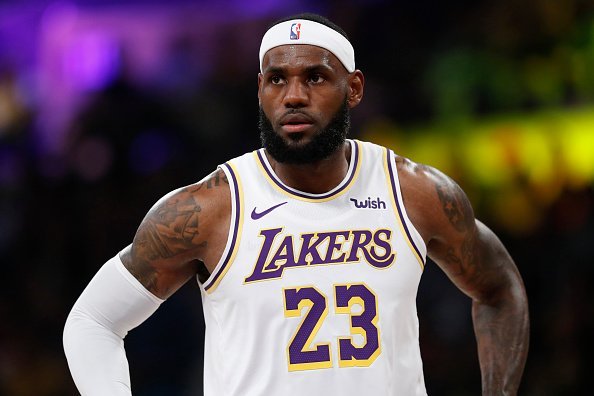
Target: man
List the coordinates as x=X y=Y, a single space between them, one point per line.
x=308 y=252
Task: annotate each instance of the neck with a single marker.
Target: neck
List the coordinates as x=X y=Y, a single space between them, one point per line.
x=317 y=177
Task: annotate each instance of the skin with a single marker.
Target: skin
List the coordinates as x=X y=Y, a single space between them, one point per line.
x=185 y=232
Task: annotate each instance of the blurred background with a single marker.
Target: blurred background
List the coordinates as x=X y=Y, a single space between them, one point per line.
x=105 y=106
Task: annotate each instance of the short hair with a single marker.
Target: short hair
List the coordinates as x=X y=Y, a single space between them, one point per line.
x=310 y=16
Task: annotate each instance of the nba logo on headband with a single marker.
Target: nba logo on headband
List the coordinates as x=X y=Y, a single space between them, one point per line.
x=295 y=31
x=316 y=34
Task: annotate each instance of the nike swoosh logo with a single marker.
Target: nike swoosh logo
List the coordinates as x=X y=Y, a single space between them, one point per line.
x=256 y=215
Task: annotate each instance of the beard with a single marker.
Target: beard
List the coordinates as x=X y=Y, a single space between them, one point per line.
x=322 y=144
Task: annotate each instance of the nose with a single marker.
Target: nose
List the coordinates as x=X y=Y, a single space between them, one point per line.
x=296 y=94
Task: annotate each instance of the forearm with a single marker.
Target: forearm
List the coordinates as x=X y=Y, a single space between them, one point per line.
x=113 y=303
x=502 y=333
x=96 y=357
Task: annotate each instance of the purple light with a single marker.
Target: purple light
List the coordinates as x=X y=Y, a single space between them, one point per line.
x=91 y=61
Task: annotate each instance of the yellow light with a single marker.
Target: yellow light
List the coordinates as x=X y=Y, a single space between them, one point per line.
x=432 y=149
x=485 y=159
x=577 y=145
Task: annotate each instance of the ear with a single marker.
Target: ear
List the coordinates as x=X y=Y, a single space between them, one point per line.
x=356 y=85
x=260 y=79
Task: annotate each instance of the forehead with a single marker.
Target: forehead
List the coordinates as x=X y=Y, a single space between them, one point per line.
x=300 y=55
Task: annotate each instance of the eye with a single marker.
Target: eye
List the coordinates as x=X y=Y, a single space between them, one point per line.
x=316 y=79
x=276 y=79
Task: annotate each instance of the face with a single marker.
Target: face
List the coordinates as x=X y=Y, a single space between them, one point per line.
x=305 y=95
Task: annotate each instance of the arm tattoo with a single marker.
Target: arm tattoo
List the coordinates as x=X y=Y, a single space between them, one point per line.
x=458 y=213
x=174 y=226
x=462 y=262
x=171 y=229
x=455 y=205
x=465 y=258
x=216 y=180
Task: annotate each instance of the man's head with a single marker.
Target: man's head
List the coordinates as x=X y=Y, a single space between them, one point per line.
x=307 y=85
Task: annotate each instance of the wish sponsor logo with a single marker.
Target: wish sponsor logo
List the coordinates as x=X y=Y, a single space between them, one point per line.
x=369 y=203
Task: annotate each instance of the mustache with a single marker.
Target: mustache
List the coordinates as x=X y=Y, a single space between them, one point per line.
x=296 y=113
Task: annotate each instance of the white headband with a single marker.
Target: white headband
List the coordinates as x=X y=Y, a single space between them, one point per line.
x=303 y=31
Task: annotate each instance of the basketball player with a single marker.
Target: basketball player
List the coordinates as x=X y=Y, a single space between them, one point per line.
x=308 y=252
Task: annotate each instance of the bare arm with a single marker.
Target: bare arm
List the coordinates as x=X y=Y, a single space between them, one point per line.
x=478 y=264
x=183 y=231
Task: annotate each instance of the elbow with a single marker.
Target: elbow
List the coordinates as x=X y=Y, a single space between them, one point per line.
x=507 y=295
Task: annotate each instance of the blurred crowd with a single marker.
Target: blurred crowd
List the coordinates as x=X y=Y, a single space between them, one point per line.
x=107 y=106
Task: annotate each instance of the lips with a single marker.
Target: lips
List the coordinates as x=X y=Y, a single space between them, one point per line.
x=296 y=122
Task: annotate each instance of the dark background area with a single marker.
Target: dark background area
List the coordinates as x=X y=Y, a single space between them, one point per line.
x=105 y=106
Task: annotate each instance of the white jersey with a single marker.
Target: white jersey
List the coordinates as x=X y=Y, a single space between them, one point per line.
x=315 y=294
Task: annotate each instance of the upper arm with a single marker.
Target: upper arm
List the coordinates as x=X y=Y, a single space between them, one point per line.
x=465 y=249
x=181 y=230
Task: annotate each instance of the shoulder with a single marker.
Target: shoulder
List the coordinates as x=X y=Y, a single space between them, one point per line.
x=202 y=200
x=468 y=252
x=434 y=202
x=183 y=227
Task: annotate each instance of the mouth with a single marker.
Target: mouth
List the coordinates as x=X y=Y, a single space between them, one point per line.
x=296 y=123
x=296 y=128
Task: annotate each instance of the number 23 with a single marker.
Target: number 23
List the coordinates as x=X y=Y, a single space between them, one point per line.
x=302 y=355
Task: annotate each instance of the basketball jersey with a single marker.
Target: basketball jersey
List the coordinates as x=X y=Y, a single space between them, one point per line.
x=315 y=294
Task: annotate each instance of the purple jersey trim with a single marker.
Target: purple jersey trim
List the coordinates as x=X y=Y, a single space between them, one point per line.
x=301 y=194
x=213 y=279
x=389 y=156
